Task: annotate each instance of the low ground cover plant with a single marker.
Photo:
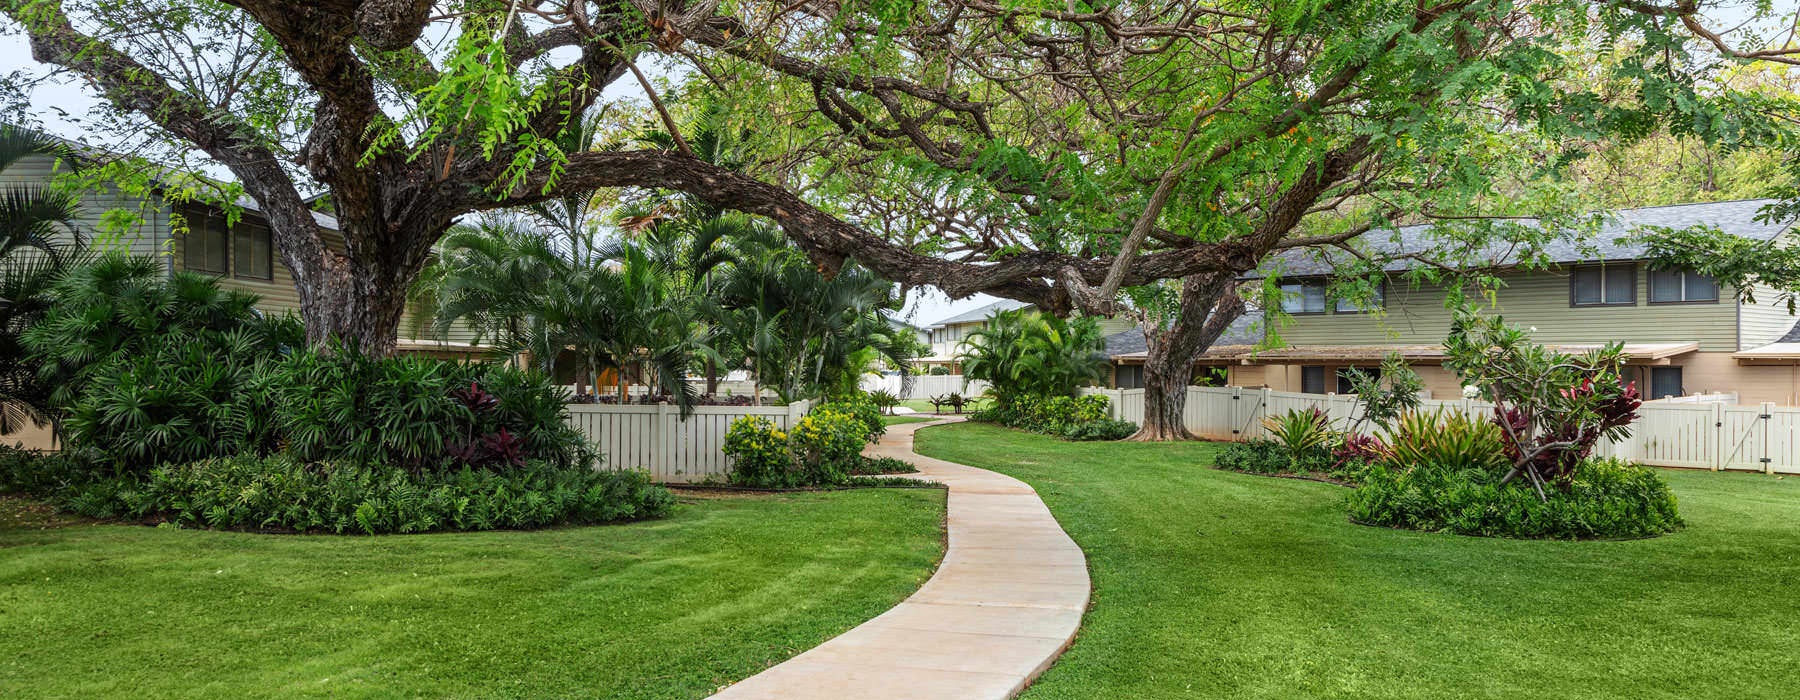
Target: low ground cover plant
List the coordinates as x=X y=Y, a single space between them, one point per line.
x=1069 y=417
x=1600 y=499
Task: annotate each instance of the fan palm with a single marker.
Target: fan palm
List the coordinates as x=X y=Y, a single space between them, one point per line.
x=38 y=243
x=1022 y=352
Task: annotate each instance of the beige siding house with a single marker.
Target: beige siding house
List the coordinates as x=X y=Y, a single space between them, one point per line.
x=198 y=238
x=1684 y=334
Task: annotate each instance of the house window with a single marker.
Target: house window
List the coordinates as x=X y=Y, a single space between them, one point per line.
x=1312 y=379
x=1346 y=377
x=1681 y=286
x=1665 y=382
x=1603 y=285
x=203 y=247
x=1379 y=301
x=1129 y=377
x=1303 y=297
x=252 y=256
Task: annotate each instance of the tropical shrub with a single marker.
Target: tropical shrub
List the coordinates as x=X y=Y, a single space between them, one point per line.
x=38 y=243
x=417 y=413
x=860 y=407
x=759 y=454
x=1264 y=456
x=1300 y=431
x=823 y=449
x=1102 y=429
x=149 y=369
x=1022 y=353
x=1602 y=499
x=1448 y=439
x=1387 y=394
x=1051 y=415
x=1553 y=408
x=283 y=493
x=938 y=371
x=884 y=400
x=826 y=445
x=883 y=465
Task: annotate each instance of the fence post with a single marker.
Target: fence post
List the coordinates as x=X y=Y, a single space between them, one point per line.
x=1718 y=437
x=1262 y=413
x=1118 y=404
x=665 y=435
x=1768 y=414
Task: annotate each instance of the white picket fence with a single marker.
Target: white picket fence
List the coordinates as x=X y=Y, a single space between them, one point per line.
x=925 y=386
x=656 y=439
x=1701 y=434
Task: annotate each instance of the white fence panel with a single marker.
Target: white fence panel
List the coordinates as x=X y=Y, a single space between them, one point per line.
x=925 y=386
x=656 y=439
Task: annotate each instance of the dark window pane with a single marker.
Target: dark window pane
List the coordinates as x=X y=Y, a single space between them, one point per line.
x=1312 y=380
x=251 y=251
x=1665 y=285
x=1701 y=288
x=1587 y=285
x=1665 y=382
x=203 y=247
x=1621 y=287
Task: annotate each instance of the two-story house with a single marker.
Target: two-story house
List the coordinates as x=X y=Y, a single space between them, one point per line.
x=1684 y=334
x=199 y=238
x=946 y=336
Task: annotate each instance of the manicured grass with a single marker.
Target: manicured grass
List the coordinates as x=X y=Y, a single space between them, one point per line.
x=666 y=609
x=1210 y=584
x=902 y=420
x=923 y=406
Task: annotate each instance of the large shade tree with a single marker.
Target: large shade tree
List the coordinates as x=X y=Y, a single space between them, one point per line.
x=1053 y=152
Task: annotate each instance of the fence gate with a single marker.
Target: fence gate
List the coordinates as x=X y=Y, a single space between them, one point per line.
x=1745 y=433
x=1247 y=411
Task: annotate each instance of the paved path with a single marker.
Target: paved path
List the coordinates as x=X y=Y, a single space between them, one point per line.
x=1005 y=602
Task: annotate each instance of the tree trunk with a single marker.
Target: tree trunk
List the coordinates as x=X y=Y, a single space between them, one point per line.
x=1208 y=306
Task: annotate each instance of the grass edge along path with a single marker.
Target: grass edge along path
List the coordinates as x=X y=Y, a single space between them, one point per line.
x=1213 y=584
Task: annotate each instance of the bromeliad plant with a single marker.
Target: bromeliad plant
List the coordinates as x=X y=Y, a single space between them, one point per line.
x=1553 y=408
x=1300 y=431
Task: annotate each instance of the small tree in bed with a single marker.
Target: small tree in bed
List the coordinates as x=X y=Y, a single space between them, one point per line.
x=1552 y=407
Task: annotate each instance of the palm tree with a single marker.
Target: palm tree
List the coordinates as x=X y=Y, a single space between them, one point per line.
x=801 y=331
x=1020 y=353
x=38 y=243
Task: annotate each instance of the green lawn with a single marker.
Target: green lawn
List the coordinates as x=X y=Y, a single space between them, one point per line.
x=1210 y=584
x=902 y=420
x=665 y=609
x=923 y=406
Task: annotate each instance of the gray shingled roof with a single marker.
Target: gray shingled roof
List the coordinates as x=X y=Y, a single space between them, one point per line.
x=980 y=314
x=1246 y=330
x=1608 y=243
x=1793 y=335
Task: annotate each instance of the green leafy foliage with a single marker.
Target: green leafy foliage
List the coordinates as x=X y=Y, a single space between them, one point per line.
x=283 y=493
x=1022 y=353
x=1605 y=499
x=417 y=413
x=1447 y=439
x=862 y=407
x=1273 y=458
x=823 y=449
x=827 y=445
x=1300 y=431
x=1102 y=429
x=883 y=465
x=759 y=454
x=884 y=400
x=1553 y=408
x=1052 y=415
x=150 y=369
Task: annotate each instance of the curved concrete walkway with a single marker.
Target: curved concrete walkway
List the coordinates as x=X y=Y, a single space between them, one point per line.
x=1004 y=603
